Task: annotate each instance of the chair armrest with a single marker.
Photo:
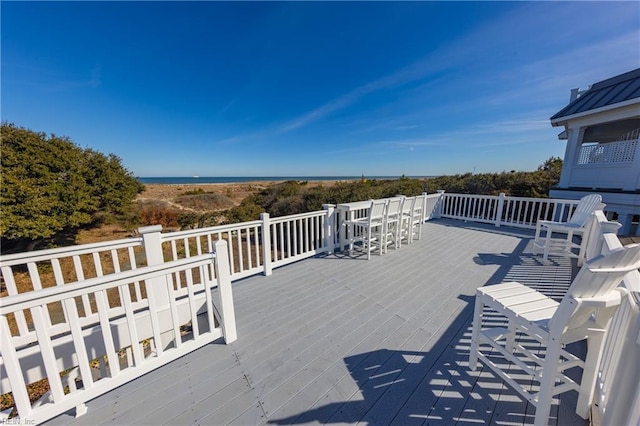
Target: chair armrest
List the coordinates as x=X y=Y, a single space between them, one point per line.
x=612 y=299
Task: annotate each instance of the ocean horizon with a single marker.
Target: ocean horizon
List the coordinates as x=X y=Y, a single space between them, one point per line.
x=183 y=180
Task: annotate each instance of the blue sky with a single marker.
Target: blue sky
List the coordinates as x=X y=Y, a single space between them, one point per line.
x=308 y=89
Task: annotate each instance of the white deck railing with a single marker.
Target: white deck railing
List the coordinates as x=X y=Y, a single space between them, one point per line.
x=118 y=268
x=519 y=212
x=121 y=338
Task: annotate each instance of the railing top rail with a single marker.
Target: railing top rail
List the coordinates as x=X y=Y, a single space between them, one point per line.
x=56 y=253
x=511 y=197
x=209 y=230
x=54 y=294
x=355 y=204
x=455 y=194
x=297 y=216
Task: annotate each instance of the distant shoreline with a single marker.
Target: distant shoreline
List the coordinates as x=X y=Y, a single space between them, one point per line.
x=204 y=180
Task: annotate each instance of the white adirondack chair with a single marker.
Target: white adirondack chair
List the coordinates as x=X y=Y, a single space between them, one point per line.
x=584 y=313
x=370 y=230
x=574 y=226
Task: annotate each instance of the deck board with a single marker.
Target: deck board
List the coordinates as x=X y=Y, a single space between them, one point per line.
x=339 y=339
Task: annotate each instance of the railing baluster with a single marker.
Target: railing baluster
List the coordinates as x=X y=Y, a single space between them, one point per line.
x=207 y=276
x=12 y=289
x=155 y=322
x=198 y=246
x=173 y=309
x=107 y=337
x=138 y=356
x=195 y=328
x=136 y=284
x=256 y=237
x=78 y=342
x=240 y=253
x=248 y=244
x=40 y=317
x=97 y=263
x=86 y=302
x=35 y=276
x=187 y=247
x=231 y=252
x=519 y=215
x=174 y=250
x=296 y=224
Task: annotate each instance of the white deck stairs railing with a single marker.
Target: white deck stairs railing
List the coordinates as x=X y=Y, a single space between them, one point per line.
x=103 y=295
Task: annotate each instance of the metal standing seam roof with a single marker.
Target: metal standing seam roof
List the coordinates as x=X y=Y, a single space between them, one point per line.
x=607 y=92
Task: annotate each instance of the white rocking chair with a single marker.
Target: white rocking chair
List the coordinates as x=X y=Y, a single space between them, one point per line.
x=584 y=313
x=574 y=226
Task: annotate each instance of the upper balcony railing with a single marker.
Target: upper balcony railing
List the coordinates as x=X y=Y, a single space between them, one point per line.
x=55 y=296
x=608 y=153
x=611 y=165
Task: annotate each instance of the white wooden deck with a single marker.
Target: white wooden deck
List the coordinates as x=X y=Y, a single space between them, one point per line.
x=337 y=339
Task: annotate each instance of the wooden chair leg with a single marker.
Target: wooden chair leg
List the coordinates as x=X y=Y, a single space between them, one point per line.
x=477 y=323
x=536 y=239
x=547 y=245
x=545 y=395
x=589 y=375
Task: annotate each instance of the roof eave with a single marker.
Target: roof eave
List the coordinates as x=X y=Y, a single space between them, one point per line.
x=560 y=121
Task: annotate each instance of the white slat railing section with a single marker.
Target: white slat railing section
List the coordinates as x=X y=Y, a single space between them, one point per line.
x=477 y=208
x=521 y=212
x=297 y=237
x=617 y=393
x=34 y=271
x=126 y=343
x=244 y=242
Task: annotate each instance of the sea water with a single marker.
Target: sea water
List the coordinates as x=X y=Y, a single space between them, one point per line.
x=240 y=179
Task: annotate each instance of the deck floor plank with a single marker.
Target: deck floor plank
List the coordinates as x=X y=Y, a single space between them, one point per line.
x=340 y=339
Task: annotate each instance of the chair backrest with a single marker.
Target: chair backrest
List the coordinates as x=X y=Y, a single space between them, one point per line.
x=377 y=210
x=597 y=277
x=587 y=205
x=407 y=207
x=394 y=206
x=418 y=206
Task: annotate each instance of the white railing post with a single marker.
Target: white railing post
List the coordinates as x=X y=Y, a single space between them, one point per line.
x=438 y=210
x=152 y=243
x=266 y=243
x=425 y=203
x=329 y=227
x=499 y=209
x=223 y=275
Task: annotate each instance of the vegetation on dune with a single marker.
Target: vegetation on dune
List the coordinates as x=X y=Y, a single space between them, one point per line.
x=52 y=188
x=294 y=197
